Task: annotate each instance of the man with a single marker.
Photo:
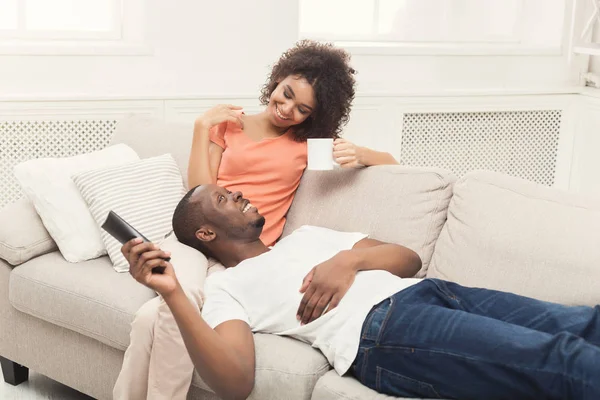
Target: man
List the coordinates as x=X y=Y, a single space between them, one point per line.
x=357 y=304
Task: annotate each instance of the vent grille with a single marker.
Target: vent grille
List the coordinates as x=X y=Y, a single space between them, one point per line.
x=518 y=143
x=24 y=140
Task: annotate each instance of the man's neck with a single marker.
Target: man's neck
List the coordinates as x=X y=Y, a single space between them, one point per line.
x=238 y=252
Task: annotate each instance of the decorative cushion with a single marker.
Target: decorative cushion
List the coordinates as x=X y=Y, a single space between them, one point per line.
x=144 y=193
x=22 y=233
x=47 y=183
x=513 y=235
x=396 y=204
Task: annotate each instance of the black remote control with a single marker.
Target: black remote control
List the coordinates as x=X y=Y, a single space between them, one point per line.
x=123 y=232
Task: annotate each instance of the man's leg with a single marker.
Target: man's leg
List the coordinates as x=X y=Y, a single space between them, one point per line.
x=132 y=383
x=518 y=310
x=171 y=368
x=413 y=348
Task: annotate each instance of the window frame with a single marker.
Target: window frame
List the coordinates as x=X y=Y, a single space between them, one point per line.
x=383 y=46
x=127 y=36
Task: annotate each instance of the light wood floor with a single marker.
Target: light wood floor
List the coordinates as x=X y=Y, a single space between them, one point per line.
x=39 y=388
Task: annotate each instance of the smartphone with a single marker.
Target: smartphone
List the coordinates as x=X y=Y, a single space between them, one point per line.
x=123 y=232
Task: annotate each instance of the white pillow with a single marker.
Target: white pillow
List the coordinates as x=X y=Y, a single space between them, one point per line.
x=47 y=183
x=144 y=193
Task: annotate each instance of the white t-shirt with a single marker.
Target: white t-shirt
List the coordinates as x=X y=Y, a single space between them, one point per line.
x=263 y=291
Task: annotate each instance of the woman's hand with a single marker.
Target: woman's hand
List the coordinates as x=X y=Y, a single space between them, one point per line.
x=220 y=114
x=347 y=154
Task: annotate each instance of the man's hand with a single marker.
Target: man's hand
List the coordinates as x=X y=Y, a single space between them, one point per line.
x=325 y=286
x=142 y=257
x=220 y=114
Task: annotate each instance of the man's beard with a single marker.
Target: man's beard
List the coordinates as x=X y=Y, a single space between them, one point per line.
x=237 y=231
x=259 y=223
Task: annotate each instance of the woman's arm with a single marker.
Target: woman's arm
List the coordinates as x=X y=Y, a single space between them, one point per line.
x=205 y=156
x=349 y=155
x=369 y=157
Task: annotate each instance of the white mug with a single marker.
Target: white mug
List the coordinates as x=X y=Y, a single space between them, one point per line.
x=320 y=154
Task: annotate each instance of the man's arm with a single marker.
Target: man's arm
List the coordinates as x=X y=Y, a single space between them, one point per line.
x=224 y=357
x=371 y=254
x=327 y=283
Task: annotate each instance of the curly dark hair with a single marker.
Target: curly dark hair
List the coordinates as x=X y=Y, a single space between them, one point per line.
x=326 y=68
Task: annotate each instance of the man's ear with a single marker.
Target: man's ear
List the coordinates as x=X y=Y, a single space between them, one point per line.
x=205 y=234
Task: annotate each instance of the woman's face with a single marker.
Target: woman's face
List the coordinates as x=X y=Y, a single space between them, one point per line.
x=292 y=101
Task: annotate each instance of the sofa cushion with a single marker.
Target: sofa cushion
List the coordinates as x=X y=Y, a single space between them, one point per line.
x=22 y=233
x=331 y=386
x=513 y=235
x=396 y=204
x=87 y=297
x=151 y=137
x=144 y=193
x=285 y=368
x=47 y=183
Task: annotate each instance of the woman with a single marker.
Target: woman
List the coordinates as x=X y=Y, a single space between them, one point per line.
x=308 y=94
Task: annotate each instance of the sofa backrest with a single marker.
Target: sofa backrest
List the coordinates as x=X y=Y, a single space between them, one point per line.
x=151 y=137
x=509 y=234
x=395 y=204
x=391 y=203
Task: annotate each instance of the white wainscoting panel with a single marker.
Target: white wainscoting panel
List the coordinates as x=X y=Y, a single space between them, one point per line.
x=531 y=136
x=585 y=172
x=58 y=129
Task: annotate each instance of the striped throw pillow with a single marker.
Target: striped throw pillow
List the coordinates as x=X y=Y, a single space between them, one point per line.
x=144 y=193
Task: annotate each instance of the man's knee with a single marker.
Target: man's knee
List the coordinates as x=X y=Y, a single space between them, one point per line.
x=145 y=318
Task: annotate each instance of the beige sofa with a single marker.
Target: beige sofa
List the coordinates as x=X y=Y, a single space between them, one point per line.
x=71 y=322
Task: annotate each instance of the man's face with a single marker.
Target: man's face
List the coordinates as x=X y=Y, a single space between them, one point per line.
x=230 y=214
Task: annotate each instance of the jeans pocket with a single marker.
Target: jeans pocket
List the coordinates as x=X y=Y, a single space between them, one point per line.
x=394 y=384
x=375 y=321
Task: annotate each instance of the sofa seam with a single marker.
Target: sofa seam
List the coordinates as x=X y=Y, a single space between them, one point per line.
x=66 y=325
x=431 y=223
x=88 y=299
x=309 y=374
x=20 y=259
x=335 y=392
x=20 y=248
x=527 y=196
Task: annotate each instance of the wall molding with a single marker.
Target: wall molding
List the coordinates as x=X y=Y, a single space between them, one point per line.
x=408 y=94
x=376 y=120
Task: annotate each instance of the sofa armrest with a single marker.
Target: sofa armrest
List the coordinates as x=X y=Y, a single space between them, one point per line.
x=22 y=233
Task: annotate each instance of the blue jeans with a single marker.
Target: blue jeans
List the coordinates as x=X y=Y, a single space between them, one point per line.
x=437 y=339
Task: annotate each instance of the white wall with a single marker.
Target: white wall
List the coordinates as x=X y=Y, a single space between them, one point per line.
x=199 y=47
x=225 y=47
x=595 y=60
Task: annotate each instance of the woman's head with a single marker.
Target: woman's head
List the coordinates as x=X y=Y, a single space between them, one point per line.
x=310 y=87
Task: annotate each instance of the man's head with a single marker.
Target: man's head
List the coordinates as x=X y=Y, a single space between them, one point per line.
x=212 y=219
